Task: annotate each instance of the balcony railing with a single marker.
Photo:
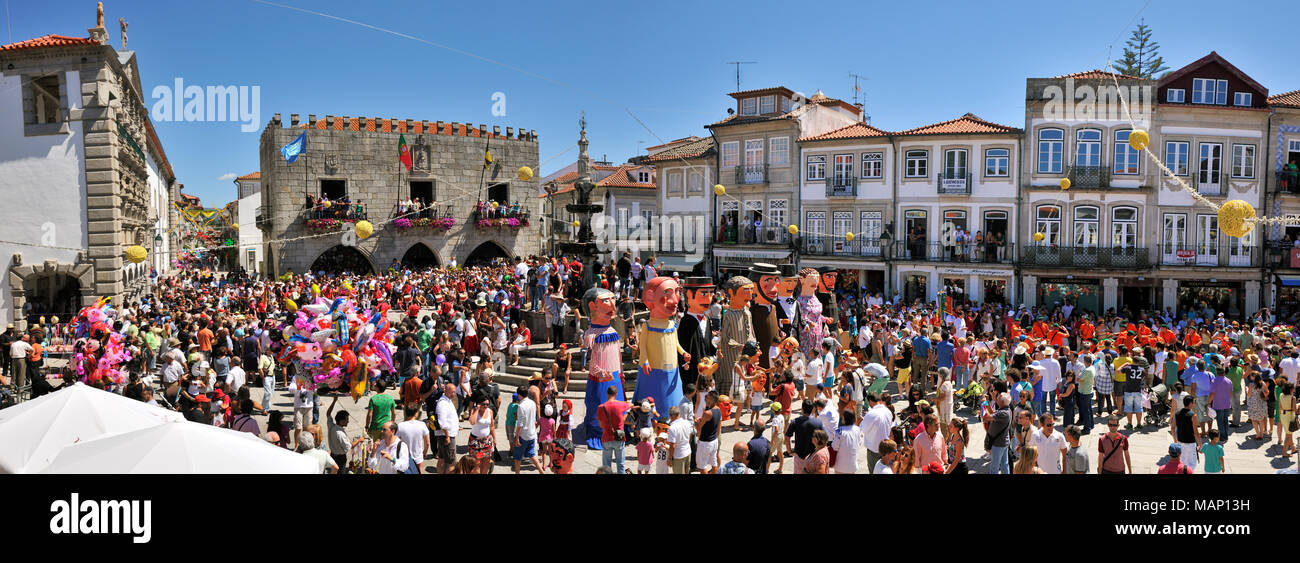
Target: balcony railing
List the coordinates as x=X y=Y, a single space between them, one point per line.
x=751 y=174
x=1053 y=256
x=756 y=235
x=857 y=248
x=1089 y=177
x=954 y=184
x=841 y=186
x=1224 y=254
x=967 y=253
x=337 y=211
x=1288 y=182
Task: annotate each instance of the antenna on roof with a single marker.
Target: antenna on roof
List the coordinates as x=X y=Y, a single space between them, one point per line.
x=857 y=93
x=738 y=63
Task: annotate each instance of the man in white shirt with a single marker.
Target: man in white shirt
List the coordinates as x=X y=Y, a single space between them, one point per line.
x=525 y=445
x=679 y=440
x=1051 y=445
x=1051 y=378
x=1290 y=367
x=448 y=424
x=876 y=424
x=415 y=435
x=175 y=369
x=18 y=353
x=236 y=377
x=847 y=442
x=391 y=454
x=324 y=462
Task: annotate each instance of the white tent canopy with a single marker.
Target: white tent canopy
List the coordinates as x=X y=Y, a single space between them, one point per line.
x=33 y=433
x=180 y=447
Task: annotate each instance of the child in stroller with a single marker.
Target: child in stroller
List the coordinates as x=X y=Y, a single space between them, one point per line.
x=1159 y=407
x=971 y=396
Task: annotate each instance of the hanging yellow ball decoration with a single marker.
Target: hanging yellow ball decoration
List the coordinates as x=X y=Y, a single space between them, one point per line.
x=315 y=289
x=290 y=305
x=136 y=254
x=1065 y=183
x=849 y=237
x=1139 y=139
x=576 y=224
x=364 y=229
x=496 y=204
x=1236 y=218
x=1038 y=237
x=525 y=173
x=792 y=229
x=719 y=189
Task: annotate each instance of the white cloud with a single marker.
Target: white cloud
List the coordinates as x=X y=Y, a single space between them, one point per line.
x=228 y=177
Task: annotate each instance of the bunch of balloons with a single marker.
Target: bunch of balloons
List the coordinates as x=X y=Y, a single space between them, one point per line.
x=333 y=346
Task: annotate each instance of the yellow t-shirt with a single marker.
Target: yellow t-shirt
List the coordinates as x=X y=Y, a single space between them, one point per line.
x=1119 y=363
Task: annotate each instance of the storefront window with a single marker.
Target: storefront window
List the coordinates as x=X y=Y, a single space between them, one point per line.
x=915 y=287
x=1288 y=302
x=955 y=288
x=1210 y=300
x=995 y=291
x=1082 y=294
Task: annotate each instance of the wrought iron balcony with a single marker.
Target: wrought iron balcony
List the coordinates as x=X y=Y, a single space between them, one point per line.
x=1223 y=254
x=1288 y=182
x=1054 y=256
x=1089 y=177
x=776 y=236
x=841 y=186
x=965 y=253
x=857 y=248
x=954 y=184
x=751 y=174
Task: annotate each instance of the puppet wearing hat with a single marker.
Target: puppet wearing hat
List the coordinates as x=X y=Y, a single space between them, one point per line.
x=694 y=332
x=826 y=294
x=787 y=304
x=659 y=349
x=604 y=359
x=763 y=310
x=737 y=328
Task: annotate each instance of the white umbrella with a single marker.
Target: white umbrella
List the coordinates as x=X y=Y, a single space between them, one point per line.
x=180 y=447
x=32 y=433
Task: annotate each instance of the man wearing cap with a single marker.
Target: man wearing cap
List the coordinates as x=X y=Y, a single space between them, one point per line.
x=19 y=350
x=787 y=310
x=694 y=332
x=762 y=310
x=1175 y=465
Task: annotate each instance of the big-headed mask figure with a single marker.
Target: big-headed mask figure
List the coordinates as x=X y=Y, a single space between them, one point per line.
x=659 y=346
x=694 y=333
x=810 y=310
x=661 y=296
x=787 y=302
x=737 y=329
x=604 y=359
x=767 y=326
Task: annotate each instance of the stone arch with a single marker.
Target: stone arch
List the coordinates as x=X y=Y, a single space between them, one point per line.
x=486 y=252
x=25 y=281
x=342 y=258
x=420 y=256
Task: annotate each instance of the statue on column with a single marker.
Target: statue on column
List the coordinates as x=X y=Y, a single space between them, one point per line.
x=813 y=324
x=694 y=334
x=787 y=310
x=767 y=327
x=658 y=347
x=604 y=359
x=737 y=329
x=121 y=22
x=99 y=15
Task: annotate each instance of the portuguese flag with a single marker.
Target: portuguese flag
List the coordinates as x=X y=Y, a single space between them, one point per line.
x=404 y=152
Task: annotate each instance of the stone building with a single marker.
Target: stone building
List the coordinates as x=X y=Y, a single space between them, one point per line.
x=78 y=148
x=357 y=158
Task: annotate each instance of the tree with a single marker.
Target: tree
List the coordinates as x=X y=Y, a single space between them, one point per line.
x=1141 y=55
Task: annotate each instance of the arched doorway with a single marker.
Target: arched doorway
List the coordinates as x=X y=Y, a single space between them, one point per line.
x=340 y=258
x=420 y=257
x=51 y=295
x=486 y=253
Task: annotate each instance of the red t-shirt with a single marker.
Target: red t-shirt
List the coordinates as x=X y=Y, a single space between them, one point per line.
x=785 y=396
x=413 y=310
x=611 y=415
x=1174 y=467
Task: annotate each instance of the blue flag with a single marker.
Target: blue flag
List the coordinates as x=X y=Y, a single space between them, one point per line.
x=292 y=150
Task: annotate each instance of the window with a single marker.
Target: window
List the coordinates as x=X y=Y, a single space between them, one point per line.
x=48 y=97
x=1049 y=223
x=697 y=183
x=753 y=152
x=1243 y=161
x=1176 y=157
x=1241 y=99
x=841 y=222
x=1123 y=227
x=1209 y=91
x=815 y=225
x=778 y=151
x=843 y=169
x=816 y=167
x=918 y=164
x=997 y=162
x=1175 y=235
x=776 y=214
x=1175 y=95
x=1087 y=147
x=731 y=154
x=1087 y=225
x=767 y=104
x=785 y=104
x=643 y=177
x=873 y=165
x=422 y=191
x=749 y=106
x=954 y=163
x=1126 y=157
x=1050 y=146
x=623 y=218
x=674 y=182
x=333 y=189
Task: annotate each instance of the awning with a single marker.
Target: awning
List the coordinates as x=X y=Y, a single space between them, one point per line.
x=841 y=263
x=1289 y=281
x=677 y=263
x=738 y=253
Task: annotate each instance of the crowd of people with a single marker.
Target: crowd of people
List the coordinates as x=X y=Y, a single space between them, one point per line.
x=898 y=385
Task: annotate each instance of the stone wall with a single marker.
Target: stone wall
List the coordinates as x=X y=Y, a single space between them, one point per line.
x=364 y=153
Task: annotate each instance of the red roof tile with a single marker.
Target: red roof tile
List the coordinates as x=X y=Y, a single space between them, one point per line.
x=622 y=178
x=964 y=125
x=1095 y=73
x=771 y=90
x=696 y=148
x=674 y=142
x=855 y=131
x=51 y=40
x=1291 y=99
x=252 y=176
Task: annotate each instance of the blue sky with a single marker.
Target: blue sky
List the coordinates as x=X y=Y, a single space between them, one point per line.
x=662 y=62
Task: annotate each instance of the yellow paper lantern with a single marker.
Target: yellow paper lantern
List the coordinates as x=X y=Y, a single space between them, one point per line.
x=136 y=254
x=364 y=229
x=576 y=224
x=290 y=305
x=848 y=237
x=315 y=289
x=1065 y=183
x=496 y=204
x=1138 y=139
x=719 y=189
x=1236 y=218
x=1039 y=237
x=525 y=173
x=792 y=229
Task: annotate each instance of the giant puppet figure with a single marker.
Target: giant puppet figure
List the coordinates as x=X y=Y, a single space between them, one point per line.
x=813 y=327
x=767 y=327
x=787 y=310
x=604 y=359
x=657 y=343
x=826 y=294
x=737 y=329
x=694 y=333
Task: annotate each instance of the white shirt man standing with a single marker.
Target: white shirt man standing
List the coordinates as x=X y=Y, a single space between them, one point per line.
x=876 y=424
x=391 y=454
x=679 y=439
x=525 y=445
x=415 y=435
x=448 y=425
x=1051 y=445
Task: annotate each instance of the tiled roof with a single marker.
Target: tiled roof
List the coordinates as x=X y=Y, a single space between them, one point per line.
x=622 y=178
x=855 y=131
x=1213 y=57
x=673 y=142
x=371 y=124
x=252 y=176
x=1291 y=99
x=771 y=90
x=964 y=125
x=51 y=40
x=696 y=148
x=1095 y=73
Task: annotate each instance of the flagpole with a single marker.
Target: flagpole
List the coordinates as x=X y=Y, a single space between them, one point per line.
x=483 y=172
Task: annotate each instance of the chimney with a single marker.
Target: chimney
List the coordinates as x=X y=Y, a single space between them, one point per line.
x=293 y=120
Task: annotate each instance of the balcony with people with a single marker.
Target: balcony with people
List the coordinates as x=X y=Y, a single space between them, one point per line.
x=750 y=227
x=327 y=213
x=1041 y=255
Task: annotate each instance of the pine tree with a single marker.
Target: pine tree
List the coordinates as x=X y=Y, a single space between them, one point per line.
x=1141 y=55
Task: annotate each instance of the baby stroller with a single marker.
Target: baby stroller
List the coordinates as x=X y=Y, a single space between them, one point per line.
x=1159 y=411
x=971 y=396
